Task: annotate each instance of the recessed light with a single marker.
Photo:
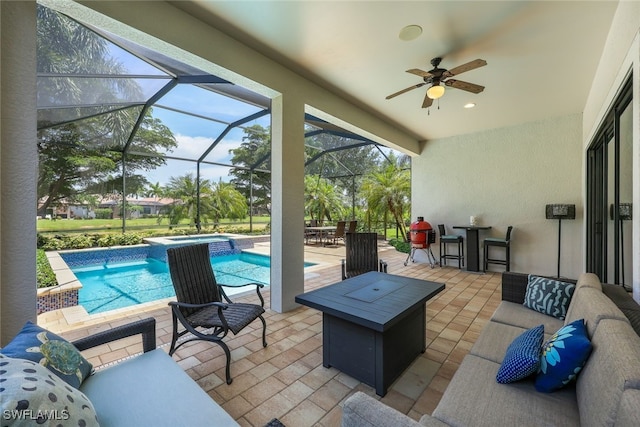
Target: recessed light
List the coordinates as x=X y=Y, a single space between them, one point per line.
x=410 y=32
x=469 y=105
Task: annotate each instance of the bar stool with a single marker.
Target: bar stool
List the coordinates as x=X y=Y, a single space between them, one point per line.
x=499 y=243
x=450 y=238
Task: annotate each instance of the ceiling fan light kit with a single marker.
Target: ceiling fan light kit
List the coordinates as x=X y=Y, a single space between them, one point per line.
x=437 y=76
x=436 y=91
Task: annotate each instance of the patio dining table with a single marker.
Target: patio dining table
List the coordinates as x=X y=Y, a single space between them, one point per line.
x=322 y=231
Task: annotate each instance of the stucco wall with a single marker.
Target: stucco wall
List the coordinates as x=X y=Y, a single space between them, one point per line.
x=621 y=56
x=506 y=177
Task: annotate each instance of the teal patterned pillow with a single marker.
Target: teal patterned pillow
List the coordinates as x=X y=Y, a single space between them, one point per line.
x=522 y=357
x=563 y=357
x=50 y=350
x=548 y=296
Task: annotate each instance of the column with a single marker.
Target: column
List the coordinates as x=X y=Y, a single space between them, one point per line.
x=287 y=201
x=18 y=166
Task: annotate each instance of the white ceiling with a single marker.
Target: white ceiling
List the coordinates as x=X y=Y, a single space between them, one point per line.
x=541 y=55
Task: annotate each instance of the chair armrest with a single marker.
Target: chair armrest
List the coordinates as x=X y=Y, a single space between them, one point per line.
x=146 y=327
x=382 y=266
x=227 y=299
x=260 y=285
x=189 y=305
x=344 y=269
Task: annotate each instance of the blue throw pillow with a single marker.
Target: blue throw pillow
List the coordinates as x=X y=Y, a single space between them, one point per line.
x=548 y=296
x=522 y=357
x=50 y=350
x=563 y=357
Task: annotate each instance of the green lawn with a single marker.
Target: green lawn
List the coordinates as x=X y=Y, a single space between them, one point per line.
x=82 y=225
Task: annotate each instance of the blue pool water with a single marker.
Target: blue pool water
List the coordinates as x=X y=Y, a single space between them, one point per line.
x=122 y=284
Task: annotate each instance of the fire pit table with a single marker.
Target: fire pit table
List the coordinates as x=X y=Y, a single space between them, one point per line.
x=373 y=325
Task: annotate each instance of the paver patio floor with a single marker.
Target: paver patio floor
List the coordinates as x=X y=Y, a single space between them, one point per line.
x=286 y=380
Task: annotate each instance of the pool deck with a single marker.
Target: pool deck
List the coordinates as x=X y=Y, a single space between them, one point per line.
x=70 y=318
x=286 y=380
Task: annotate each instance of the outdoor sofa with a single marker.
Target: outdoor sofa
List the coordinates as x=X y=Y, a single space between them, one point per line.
x=606 y=391
x=149 y=389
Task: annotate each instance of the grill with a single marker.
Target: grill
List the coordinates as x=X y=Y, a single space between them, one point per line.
x=421 y=236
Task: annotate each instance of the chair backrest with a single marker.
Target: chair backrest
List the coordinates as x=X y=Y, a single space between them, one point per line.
x=441 y=229
x=192 y=275
x=508 y=238
x=352 y=226
x=340 y=227
x=313 y=223
x=361 y=253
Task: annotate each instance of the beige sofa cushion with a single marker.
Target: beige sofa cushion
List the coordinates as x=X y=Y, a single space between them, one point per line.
x=494 y=340
x=474 y=398
x=593 y=306
x=589 y=280
x=511 y=313
x=611 y=371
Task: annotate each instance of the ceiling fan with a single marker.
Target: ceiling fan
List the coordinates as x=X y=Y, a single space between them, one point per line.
x=440 y=75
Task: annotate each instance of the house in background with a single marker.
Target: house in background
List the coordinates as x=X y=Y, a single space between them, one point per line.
x=502 y=161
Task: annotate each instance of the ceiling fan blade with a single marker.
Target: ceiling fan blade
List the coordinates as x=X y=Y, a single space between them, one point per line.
x=405 y=90
x=469 y=87
x=419 y=72
x=465 y=67
x=427 y=101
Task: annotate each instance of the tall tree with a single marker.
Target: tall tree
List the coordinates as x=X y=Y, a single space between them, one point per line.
x=86 y=155
x=227 y=202
x=322 y=201
x=217 y=201
x=253 y=152
x=388 y=190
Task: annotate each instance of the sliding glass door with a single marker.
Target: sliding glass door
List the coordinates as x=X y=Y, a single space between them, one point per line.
x=609 y=193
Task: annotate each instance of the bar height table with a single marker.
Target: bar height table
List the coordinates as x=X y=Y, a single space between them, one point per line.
x=473 y=245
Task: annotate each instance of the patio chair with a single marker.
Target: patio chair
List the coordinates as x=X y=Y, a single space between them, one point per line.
x=352 y=226
x=308 y=234
x=338 y=233
x=200 y=307
x=361 y=255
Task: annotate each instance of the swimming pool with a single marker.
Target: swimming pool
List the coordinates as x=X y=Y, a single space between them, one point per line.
x=121 y=284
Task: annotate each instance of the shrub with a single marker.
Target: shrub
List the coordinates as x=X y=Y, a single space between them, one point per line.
x=45 y=276
x=400 y=245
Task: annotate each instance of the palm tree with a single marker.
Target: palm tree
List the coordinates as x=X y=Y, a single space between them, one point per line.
x=321 y=198
x=184 y=192
x=388 y=190
x=155 y=190
x=216 y=201
x=227 y=202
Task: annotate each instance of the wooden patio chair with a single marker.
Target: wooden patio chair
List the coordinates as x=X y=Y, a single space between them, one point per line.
x=202 y=306
x=361 y=255
x=338 y=233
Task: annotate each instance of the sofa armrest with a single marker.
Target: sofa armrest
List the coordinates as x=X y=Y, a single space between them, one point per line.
x=146 y=327
x=361 y=410
x=514 y=286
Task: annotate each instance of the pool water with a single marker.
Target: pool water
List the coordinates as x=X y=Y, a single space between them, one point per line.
x=117 y=285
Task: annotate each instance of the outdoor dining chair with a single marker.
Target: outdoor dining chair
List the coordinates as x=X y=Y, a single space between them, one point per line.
x=202 y=307
x=361 y=255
